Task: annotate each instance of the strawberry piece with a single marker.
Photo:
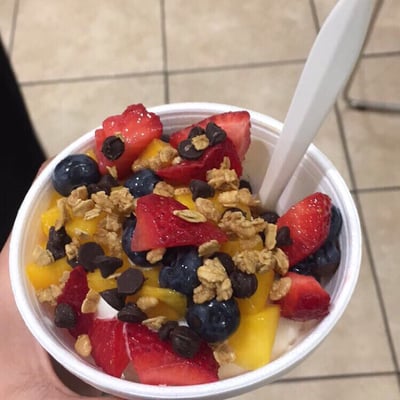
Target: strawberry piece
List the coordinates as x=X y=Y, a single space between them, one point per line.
x=236 y=124
x=308 y=221
x=137 y=126
x=306 y=299
x=184 y=172
x=73 y=293
x=109 y=345
x=158 y=227
x=156 y=363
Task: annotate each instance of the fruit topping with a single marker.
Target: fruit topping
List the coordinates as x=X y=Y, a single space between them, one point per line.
x=137 y=257
x=236 y=125
x=214 y=320
x=156 y=362
x=135 y=128
x=142 y=182
x=161 y=223
x=73 y=294
x=73 y=171
x=212 y=157
x=253 y=340
x=107 y=338
x=181 y=272
x=308 y=221
x=306 y=299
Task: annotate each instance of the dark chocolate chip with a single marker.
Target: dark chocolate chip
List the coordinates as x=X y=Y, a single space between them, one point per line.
x=196 y=131
x=245 y=184
x=73 y=262
x=226 y=260
x=113 y=298
x=65 y=316
x=130 y=312
x=57 y=241
x=234 y=209
x=215 y=134
x=113 y=147
x=185 y=341
x=270 y=216
x=130 y=281
x=105 y=184
x=283 y=236
x=200 y=189
x=243 y=285
x=166 y=329
x=87 y=252
x=187 y=151
x=107 y=264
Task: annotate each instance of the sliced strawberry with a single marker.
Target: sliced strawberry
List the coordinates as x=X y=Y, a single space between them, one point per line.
x=156 y=363
x=236 y=124
x=73 y=293
x=184 y=172
x=308 y=221
x=158 y=227
x=306 y=299
x=137 y=127
x=109 y=349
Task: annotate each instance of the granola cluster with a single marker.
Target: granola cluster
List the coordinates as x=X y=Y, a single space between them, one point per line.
x=232 y=209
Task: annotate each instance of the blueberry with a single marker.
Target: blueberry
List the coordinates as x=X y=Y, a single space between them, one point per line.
x=214 y=320
x=74 y=171
x=323 y=263
x=142 y=182
x=336 y=224
x=181 y=274
x=326 y=259
x=137 y=257
x=305 y=267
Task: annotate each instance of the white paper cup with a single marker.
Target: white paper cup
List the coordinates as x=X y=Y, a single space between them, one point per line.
x=315 y=173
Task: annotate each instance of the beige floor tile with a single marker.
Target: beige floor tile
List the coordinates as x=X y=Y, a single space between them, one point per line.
x=213 y=33
x=72 y=38
x=383 y=388
x=385 y=34
x=377 y=79
x=373 y=143
x=266 y=89
x=382 y=211
x=6 y=16
x=358 y=343
x=63 y=112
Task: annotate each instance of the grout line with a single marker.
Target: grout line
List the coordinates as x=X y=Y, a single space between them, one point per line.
x=13 y=27
x=364 y=229
x=379 y=189
x=161 y=72
x=228 y=67
x=367 y=244
x=314 y=15
x=164 y=52
x=337 y=377
x=92 y=78
x=382 y=54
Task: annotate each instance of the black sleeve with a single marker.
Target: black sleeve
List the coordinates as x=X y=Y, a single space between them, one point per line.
x=20 y=152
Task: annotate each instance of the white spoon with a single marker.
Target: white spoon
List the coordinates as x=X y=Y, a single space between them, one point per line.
x=328 y=66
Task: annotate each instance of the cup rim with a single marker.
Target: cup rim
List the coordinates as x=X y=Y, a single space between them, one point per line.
x=223 y=388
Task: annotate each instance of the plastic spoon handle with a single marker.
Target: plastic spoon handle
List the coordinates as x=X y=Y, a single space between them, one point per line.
x=328 y=66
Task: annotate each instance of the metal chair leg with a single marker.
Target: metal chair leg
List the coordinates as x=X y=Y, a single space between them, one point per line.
x=361 y=104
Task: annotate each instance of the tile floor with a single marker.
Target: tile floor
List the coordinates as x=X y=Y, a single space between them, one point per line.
x=79 y=61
